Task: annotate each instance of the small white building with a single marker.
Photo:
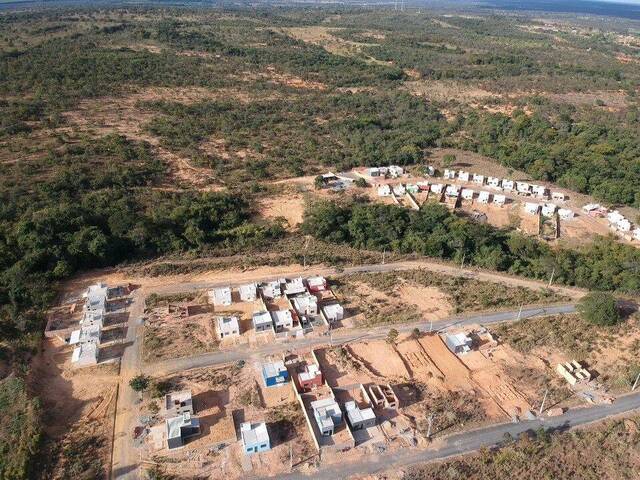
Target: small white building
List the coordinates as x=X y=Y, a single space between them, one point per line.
x=295 y=286
x=306 y=304
x=548 y=209
x=228 y=327
x=220 y=296
x=261 y=321
x=282 y=320
x=478 y=179
x=494 y=182
x=523 y=188
x=395 y=171
x=86 y=334
x=449 y=174
x=359 y=418
x=540 y=191
x=429 y=170
x=452 y=191
x=507 y=185
x=377 y=171
x=248 y=292
x=458 y=343
x=467 y=194
x=384 y=191
x=85 y=354
x=317 y=284
x=624 y=225
x=615 y=217
x=399 y=190
x=255 y=437
x=333 y=312
x=327 y=414
x=437 y=188
x=565 y=213
x=636 y=234
x=96 y=297
x=532 y=208
x=499 y=200
x=558 y=196
x=484 y=197
x=463 y=176
x=272 y=289
x=92 y=317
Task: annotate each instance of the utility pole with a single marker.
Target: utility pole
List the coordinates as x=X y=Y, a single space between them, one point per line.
x=544 y=399
x=462 y=263
x=304 y=257
x=290 y=456
x=635 y=384
x=551 y=279
x=519 y=314
x=430 y=419
x=431 y=325
x=384 y=252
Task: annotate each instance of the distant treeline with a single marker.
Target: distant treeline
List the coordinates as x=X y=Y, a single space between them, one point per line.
x=435 y=232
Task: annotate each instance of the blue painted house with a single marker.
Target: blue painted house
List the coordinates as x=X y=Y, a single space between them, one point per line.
x=274 y=373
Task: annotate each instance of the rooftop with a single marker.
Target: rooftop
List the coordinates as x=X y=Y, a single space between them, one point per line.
x=174 y=424
x=254 y=433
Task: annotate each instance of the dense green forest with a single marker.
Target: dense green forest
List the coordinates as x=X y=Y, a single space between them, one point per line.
x=435 y=232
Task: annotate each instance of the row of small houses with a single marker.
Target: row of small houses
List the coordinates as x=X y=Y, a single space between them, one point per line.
x=301 y=294
x=616 y=220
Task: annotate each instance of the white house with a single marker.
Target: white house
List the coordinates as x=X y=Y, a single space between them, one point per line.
x=92 y=317
x=282 y=319
x=507 y=185
x=220 y=296
x=452 y=191
x=548 y=209
x=272 y=289
x=333 y=313
x=228 y=327
x=85 y=354
x=327 y=414
x=566 y=213
x=463 y=176
x=523 y=188
x=636 y=234
x=494 y=182
x=467 y=194
x=437 y=187
x=399 y=189
x=449 y=174
x=458 y=343
x=499 y=200
x=395 y=171
x=558 y=196
x=248 y=292
x=615 y=217
x=531 y=208
x=262 y=321
x=255 y=437
x=384 y=191
x=87 y=334
x=624 y=225
x=484 y=196
x=306 y=304
x=317 y=283
x=295 y=286
x=96 y=297
x=540 y=191
x=478 y=179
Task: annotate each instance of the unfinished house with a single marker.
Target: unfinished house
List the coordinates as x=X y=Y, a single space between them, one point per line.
x=548 y=209
x=333 y=312
x=377 y=171
x=467 y=194
x=478 y=179
x=384 y=191
x=255 y=437
x=573 y=372
x=228 y=327
x=272 y=289
x=565 y=213
x=96 y=297
x=540 y=191
x=463 y=176
x=327 y=414
x=309 y=377
x=499 y=200
x=508 y=185
x=85 y=354
x=317 y=284
x=248 y=292
x=531 y=208
x=262 y=321
x=87 y=334
x=558 y=196
x=494 y=182
x=282 y=320
x=484 y=197
x=305 y=304
x=274 y=373
x=458 y=343
x=383 y=396
x=178 y=403
x=359 y=418
x=220 y=296
x=449 y=174
x=295 y=286
x=92 y=317
x=181 y=427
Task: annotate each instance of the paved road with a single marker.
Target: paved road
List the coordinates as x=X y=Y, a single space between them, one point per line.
x=241 y=352
x=470 y=441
